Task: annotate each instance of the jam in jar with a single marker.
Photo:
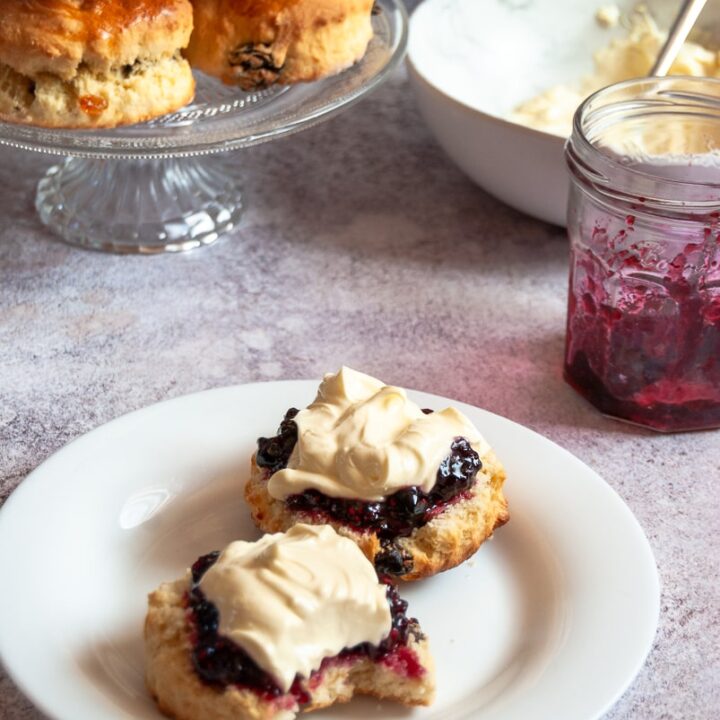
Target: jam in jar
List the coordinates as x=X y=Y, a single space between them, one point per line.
x=643 y=325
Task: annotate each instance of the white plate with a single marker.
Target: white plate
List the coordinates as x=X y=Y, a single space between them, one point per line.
x=552 y=619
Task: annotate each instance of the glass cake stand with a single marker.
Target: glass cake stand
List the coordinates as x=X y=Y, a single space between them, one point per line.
x=154 y=188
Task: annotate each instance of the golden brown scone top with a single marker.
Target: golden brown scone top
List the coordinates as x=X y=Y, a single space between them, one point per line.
x=57 y=36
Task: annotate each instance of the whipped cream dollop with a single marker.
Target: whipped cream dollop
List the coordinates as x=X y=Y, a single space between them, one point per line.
x=365 y=440
x=624 y=58
x=290 y=600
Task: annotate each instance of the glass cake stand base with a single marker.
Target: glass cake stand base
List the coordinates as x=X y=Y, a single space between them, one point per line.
x=171 y=184
x=141 y=206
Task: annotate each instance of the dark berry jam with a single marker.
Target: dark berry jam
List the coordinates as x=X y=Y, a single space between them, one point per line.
x=202 y=565
x=393 y=560
x=402 y=627
x=219 y=661
x=407 y=509
x=273 y=453
x=643 y=330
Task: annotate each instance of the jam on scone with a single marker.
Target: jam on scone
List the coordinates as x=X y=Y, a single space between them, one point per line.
x=418 y=490
x=293 y=621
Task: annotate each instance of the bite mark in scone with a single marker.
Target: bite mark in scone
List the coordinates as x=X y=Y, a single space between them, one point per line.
x=428 y=523
x=241 y=636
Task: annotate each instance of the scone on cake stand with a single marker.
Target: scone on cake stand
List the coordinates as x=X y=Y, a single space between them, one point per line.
x=152 y=187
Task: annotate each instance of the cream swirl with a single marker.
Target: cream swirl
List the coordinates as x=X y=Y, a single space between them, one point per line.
x=290 y=600
x=365 y=440
x=628 y=57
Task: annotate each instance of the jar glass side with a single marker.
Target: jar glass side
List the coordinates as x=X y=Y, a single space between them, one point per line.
x=643 y=329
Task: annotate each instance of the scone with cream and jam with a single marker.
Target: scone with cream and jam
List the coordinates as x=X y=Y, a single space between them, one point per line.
x=293 y=621
x=258 y=43
x=417 y=490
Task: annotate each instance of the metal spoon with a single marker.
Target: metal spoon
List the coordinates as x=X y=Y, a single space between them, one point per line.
x=677 y=35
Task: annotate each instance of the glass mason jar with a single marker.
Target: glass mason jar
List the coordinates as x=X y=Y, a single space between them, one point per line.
x=643 y=326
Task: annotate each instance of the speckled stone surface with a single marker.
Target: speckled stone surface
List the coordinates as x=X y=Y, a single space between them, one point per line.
x=362 y=244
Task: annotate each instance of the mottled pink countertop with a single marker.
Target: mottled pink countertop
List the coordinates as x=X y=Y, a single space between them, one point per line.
x=362 y=244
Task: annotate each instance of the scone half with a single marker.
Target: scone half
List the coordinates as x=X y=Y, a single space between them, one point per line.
x=181 y=694
x=93 y=64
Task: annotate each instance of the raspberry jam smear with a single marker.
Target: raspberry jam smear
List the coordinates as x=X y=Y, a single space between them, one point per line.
x=643 y=332
x=396 y=516
x=220 y=662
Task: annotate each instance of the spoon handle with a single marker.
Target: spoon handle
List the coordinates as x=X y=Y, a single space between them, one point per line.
x=676 y=36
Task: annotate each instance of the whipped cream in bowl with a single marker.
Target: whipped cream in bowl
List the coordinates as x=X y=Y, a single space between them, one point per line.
x=498 y=82
x=628 y=56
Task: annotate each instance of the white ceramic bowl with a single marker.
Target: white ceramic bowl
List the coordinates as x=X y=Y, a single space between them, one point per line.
x=472 y=61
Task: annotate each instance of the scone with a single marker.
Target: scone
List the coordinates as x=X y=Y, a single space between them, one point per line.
x=418 y=491
x=290 y=622
x=93 y=63
x=256 y=43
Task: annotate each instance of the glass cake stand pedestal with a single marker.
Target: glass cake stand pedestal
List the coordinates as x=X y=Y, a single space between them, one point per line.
x=164 y=186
